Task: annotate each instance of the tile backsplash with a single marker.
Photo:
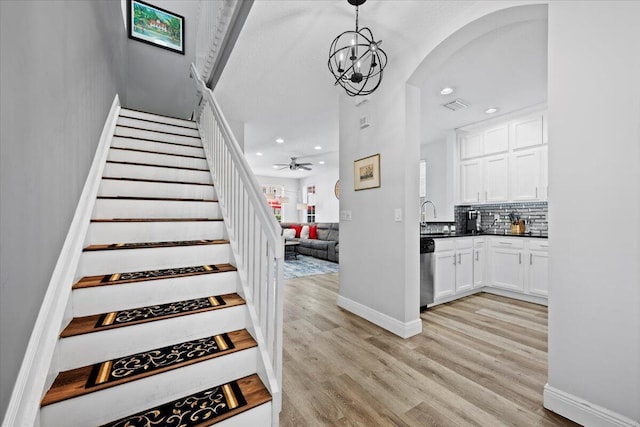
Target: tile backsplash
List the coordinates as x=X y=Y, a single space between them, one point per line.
x=534 y=213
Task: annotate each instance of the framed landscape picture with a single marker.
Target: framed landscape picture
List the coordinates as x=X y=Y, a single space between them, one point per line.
x=366 y=172
x=155 y=26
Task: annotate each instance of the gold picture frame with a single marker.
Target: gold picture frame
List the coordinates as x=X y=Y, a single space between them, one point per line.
x=366 y=173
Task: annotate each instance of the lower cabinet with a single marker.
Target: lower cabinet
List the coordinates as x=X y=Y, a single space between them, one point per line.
x=453 y=267
x=479 y=262
x=445 y=273
x=507 y=269
x=538 y=269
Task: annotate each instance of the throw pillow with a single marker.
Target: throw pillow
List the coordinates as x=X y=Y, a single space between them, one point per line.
x=313 y=231
x=289 y=233
x=298 y=229
x=304 y=233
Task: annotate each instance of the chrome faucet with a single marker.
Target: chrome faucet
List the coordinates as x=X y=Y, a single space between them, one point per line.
x=435 y=214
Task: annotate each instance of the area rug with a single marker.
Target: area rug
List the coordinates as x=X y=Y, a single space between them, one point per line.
x=307 y=266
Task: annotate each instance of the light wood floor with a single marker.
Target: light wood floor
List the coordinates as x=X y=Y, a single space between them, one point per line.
x=481 y=360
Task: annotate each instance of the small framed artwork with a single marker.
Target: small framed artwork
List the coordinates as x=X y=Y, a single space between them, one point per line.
x=155 y=26
x=366 y=173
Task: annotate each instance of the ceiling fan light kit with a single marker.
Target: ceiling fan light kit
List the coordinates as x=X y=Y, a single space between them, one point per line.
x=356 y=59
x=293 y=165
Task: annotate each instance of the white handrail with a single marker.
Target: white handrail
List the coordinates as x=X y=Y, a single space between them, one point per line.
x=254 y=234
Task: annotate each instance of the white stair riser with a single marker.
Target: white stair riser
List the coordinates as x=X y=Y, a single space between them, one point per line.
x=103 y=299
x=118 y=170
x=114 y=187
x=160 y=147
x=141 y=232
x=124 y=112
x=156 y=159
x=87 y=349
x=158 y=127
x=259 y=416
x=126 y=399
x=114 y=208
x=157 y=136
x=93 y=263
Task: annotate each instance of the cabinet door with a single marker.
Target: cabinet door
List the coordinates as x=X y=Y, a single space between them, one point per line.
x=525 y=175
x=470 y=181
x=527 y=132
x=479 y=259
x=496 y=140
x=464 y=270
x=496 y=183
x=445 y=274
x=507 y=269
x=539 y=273
x=471 y=145
x=544 y=174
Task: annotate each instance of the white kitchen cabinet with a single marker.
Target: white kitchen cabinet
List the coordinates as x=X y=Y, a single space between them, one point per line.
x=496 y=140
x=538 y=268
x=471 y=184
x=544 y=173
x=445 y=273
x=527 y=131
x=525 y=175
x=471 y=145
x=496 y=178
x=479 y=262
x=507 y=269
x=464 y=264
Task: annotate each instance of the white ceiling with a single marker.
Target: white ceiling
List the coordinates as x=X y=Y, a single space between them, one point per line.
x=278 y=84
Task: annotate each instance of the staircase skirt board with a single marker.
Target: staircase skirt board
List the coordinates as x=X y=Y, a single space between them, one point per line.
x=89 y=348
x=128 y=170
x=154 y=230
x=156 y=209
x=132 y=397
x=160 y=147
x=143 y=115
x=158 y=127
x=100 y=299
x=132 y=367
x=157 y=136
x=168 y=160
x=134 y=260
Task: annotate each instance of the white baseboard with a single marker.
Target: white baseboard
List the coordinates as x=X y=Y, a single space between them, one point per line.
x=24 y=404
x=515 y=295
x=402 y=329
x=582 y=411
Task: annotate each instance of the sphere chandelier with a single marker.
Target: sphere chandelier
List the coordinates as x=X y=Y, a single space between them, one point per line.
x=356 y=60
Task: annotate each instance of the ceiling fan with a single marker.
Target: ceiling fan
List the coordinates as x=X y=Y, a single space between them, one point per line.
x=294 y=165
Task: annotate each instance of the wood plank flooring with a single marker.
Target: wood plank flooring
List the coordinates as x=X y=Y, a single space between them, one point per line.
x=480 y=361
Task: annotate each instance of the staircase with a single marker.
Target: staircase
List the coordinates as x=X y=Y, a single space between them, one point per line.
x=160 y=331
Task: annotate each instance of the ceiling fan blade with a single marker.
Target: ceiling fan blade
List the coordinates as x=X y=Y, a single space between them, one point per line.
x=281 y=164
x=305 y=164
x=305 y=168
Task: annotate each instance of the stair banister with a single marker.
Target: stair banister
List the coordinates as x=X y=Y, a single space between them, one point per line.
x=254 y=233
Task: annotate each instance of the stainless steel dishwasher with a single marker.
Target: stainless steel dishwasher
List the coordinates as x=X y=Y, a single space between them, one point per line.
x=427 y=248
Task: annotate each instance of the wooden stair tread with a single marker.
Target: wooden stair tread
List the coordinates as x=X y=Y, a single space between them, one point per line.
x=157 y=131
x=253 y=394
x=138 y=150
x=157 y=181
x=88 y=379
x=124 y=111
x=152 y=165
x=169 y=273
x=167 y=199
x=117 y=246
x=137 y=316
x=153 y=219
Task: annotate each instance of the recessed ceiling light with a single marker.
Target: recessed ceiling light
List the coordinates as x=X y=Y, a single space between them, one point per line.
x=446 y=91
x=321 y=162
x=279 y=140
x=275 y=166
x=258 y=154
x=491 y=110
x=317 y=147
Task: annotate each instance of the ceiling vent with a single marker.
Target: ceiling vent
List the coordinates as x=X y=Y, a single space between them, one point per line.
x=456 y=105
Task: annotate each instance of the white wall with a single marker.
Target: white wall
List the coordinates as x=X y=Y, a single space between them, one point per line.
x=594 y=178
x=327 y=205
x=292 y=190
x=439 y=158
x=62 y=64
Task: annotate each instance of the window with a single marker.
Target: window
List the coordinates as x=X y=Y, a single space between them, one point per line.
x=274 y=194
x=311 y=203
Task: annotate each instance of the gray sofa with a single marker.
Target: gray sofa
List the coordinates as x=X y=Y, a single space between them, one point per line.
x=326 y=246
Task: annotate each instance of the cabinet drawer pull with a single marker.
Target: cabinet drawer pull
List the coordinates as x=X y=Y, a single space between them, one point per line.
x=478 y=196
x=477 y=255
x=530 y=259
x=506 y=243
x=536 y=192
x=459 y=258
x=486 y=197
x=519 y=258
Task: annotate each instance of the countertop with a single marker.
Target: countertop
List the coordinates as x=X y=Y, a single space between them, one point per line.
x=488 y=233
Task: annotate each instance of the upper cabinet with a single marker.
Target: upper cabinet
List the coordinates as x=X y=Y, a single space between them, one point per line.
x=504 y=162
